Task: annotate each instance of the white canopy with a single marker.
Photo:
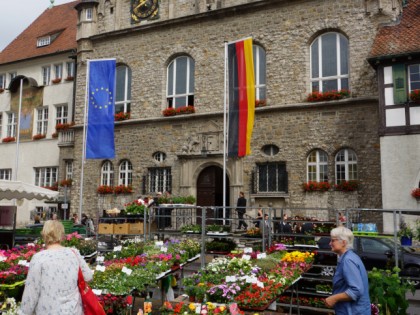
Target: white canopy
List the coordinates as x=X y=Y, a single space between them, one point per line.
x=20 y=190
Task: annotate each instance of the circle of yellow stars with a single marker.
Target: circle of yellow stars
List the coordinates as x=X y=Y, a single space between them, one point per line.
x=101 y=90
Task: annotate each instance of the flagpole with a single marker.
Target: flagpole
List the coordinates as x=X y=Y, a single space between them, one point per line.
x=84 y=143
x=224 y=136
x=15 y=175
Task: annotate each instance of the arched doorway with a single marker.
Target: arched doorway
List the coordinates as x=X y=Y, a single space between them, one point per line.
x=210 y=192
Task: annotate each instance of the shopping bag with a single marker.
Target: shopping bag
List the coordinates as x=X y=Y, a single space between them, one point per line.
x=91 y=305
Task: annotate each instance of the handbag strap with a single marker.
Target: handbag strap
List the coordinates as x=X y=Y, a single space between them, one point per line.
x=80 y=278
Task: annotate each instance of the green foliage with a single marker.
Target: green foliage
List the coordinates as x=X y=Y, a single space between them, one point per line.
x=190 y=200
x=194 y=228
x=405 y=230
x=217 y=228
x=221 y=245
x=388 y=290
x=267 y=264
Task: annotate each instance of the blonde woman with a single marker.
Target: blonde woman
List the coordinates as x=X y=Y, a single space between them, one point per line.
x=51 y=285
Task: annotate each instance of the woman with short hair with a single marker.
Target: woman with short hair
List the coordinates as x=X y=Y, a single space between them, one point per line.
x=350 y=282
x=51 y=285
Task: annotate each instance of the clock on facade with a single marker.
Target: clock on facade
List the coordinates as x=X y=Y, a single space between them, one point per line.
x=144 y=9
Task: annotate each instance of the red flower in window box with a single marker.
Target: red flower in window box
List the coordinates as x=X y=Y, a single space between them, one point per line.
x=64 y=126
x=169 y=112
x=1 y=90
x=66 y=182
x=415 y=96
x=55 y=81
x=104 y=190
x=122 y=116
x=122 y=189
x=69 y=78
x=54 y=135
x=327 y=96
x=350 y=185
x=38 y=136
x=54 y=187
x=179 y=111
x=415 y=193
x=9 y=139
x=316 y=186
x=260 y=103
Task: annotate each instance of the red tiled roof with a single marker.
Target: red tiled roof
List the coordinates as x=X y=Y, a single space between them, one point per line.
x=59 y=18
x=402 y=38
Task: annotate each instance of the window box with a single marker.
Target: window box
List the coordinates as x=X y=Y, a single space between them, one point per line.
x=66 y=182
x=415 y=96
x=327 y=96
x=122 y=189
x=122 y=116
x=9 y=139
x=351 y=185
x=54 y=187
x=65 y=126
x=55 y=81
x=316 y=186
x=54 y=135
x=1 y=90
x=69 y=78
x=260 y=103
x=178 y=111
x=105 y=190
x=38 y=137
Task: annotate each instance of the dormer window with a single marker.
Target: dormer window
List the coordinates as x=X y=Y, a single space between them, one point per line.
x=43 y=41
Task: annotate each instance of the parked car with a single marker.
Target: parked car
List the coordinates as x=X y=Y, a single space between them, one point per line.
x=376 y=252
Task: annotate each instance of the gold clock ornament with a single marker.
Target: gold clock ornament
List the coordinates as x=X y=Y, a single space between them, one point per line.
x=144 y=9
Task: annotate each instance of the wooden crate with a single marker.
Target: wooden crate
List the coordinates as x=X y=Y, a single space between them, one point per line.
x=122 y=228
x=106 y=228
x=136 y=228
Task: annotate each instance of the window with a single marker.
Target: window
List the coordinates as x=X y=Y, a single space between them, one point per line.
x=46 y=75
x=414 y=77
x=260 y=72
x=46 y=176
x=62 y=114
x=1 y=125
x=2 y=81
x=180 y=86
x=329 y=63
x=12 y=75
x=126 y=173
x=270 y=177
x=42 y=121
x=123 y=95
x=11 y=125
x=89 y=14
x=270 y=149
x=317 y=166
x=159 y=179
x=345 y=166
x=43 y=41
x=69 y=169
x=107 y=174
x=70 y=69
x=159 y=156
x=58 y=71
x=5 y=174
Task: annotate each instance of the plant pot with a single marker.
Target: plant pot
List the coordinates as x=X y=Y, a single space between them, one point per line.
x=191 y=298
x=406 y=241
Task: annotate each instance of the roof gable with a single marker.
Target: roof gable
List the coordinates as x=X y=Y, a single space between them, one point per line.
x=60 y=20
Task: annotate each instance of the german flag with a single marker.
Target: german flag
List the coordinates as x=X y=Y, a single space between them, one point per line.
x=241 y=97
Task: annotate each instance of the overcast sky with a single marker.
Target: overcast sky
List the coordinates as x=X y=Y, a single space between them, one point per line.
x=17 y=15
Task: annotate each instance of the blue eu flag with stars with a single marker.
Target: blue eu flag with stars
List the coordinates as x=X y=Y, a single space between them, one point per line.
x=100 y=121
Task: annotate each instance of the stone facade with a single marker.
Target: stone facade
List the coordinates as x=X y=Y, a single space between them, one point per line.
x=285 y=29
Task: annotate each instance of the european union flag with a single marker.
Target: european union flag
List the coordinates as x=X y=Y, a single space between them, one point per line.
x=100 y=131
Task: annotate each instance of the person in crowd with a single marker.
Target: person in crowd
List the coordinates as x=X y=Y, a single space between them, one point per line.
x=241 y=209
x=37 y=219
x=51 y=285
x=350 y=282
x=75 y=218
x=285 y=226
x=88 y=222
x=259 y=217
x=55 y=216
x=341 y=218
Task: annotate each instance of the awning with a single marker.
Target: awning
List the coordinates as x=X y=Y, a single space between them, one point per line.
x=19 y=190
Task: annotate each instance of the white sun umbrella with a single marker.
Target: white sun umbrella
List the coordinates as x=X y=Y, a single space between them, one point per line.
x=19 y=190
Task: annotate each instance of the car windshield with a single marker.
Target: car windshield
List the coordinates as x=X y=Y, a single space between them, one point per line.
x=390 y=242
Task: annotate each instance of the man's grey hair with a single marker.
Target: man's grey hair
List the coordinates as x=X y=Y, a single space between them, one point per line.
x=344 y=234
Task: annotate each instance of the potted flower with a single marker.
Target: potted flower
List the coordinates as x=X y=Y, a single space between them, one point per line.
x=169 y=112
x=316 y=186
x=405 y=234
x=122 y=189
x=63 y=126
x=347 y=185
x=9 y=139
x=416 y=193
x=104 y=190
x=327 y=96
x=415 y=96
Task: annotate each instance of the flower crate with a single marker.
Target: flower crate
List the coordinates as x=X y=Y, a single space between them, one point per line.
x=121 y=228
x=136 y=228
x=106 y=228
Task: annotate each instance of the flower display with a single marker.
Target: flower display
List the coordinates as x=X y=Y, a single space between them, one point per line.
x=38 y=136
x=170 y=111
x=316 y=186
x=8 y=139
x=66 y=182
x=350 y=185
x=123 y=189
x=105 y=190
x=135 y=207
x=63 y=126
x=297 y=257
x=122 y=116
x=115 y=304
x=327 y=96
